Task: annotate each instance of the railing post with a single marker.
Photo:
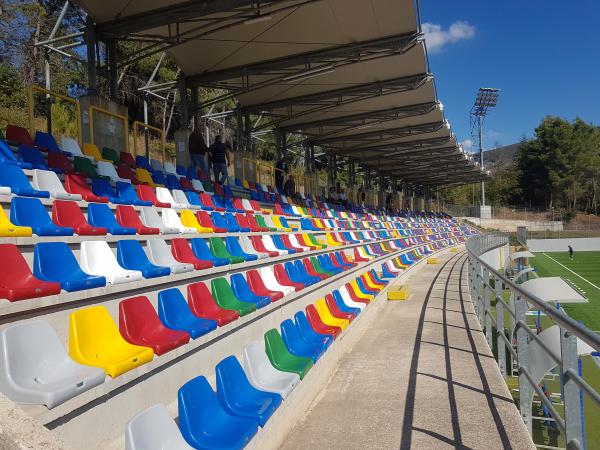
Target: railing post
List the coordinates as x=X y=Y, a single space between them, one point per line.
x=498 y=291
x=525 y=389
x=480 y=293
x=487 y=307
x=571 y=397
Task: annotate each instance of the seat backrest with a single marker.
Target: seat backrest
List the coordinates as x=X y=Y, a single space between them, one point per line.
x=126 y=191
x=90 y=330
x=146 y=193
x=18 y=135
x=154 y=428
x=156 y=165
x=97 y=257
x=110 y=154
x=160 y=253
x=29 y=212
x=131 y=254
x=100 y=215
x=170 y=168
x=172 y=306
x=54 y=260
x=164 y=195
x=127 y=159
x=32 y=155
x=67 y=214
x=137 y=313
x=102 y=188
x=13 y=176
x=127 y=216
x=59 y=161
x=171 y=219
x=70 y=145
x=107 y=169
x=46 y=180
x=180 y=197
x=150 y=217
x=92 y=150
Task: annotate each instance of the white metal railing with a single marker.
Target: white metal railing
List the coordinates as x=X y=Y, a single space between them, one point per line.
x=487 y=284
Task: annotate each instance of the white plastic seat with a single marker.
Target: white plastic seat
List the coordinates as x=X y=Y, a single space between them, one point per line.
x=181 y=199
x=296 y=210
x=348 y=300
x=160 y=254
x=268 y=278
x=363 y=253
x=107 y=169
x=269 y=221
x=231 y=180
x=263 y=376
x=294 y=241
x=170 y=168
x=36 y=369
x=197 y=185
x=270 y=245
x=164 y=195
x=46 y=180
x=156 y=165
x=284 y=199
x=247 y=205
x=171 y=219
x=154 y=429
x=302 y=196
x=97 y=258
x=150 y=218
x=70 y=145
x=5 y=190
x=247 y=246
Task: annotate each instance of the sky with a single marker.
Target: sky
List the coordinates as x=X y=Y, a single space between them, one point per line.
x=544 y=56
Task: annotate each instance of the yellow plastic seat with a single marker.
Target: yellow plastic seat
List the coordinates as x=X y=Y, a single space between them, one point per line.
x=94 y=340
x=370 y=283
x=320 y=225
x=359 y=293
x=245 y=184
x=8 y=229
x=94 y=152
x=188 y=219
x=326 y=316
x=279 y=225
x=144 y=176
x=331 y=240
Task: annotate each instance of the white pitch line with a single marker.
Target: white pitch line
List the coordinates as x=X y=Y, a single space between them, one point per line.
x=574 y=273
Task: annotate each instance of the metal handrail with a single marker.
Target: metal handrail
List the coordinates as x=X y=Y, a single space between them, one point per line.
x=32 y=88
x=137 y=125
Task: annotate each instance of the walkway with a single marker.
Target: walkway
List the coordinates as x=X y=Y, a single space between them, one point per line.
x=421 y=377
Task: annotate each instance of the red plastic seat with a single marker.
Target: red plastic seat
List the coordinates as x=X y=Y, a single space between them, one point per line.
x=317 y=324
x=256 y=206
x=139 y=325
x=254 y=224
x=282 y=278
x=336 y=311
x=258 y=287
x=206 y=221
x=202 y=304
x=311 y=270
x=374 y=281
x=357 y=257
x=367 y=288
x=237 y=204
x=59 y=161
x=259 y=246
x=218 y=189
x=186 y=184
x=127 y=217
x=125 y=172
x=128 y=160
x=243 y=222
x=305 y=242
x=76 y=184
x=346 y=260
x=68 y=214
x=353 y=295
x=202 y=176
x=19 y=135
x=182 y=252
x=286 y=241
x=17 y=282
x=334 y=262
x=279 y=210
x=208 y=202
x=147 y=194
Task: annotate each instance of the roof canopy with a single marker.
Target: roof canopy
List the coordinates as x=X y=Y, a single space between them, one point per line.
x=350 y=75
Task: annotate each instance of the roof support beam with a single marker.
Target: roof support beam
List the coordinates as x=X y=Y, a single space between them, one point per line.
x=397 y=147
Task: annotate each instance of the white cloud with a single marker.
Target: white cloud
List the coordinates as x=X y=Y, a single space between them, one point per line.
x=436 y=37
x=467 y=145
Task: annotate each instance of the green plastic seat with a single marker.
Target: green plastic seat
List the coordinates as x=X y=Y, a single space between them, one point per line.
x=313 y=241
x=281 y=358
x=208 y=187
x=85 y=167
x=260 y=220
x=318 y=268
x=226 y=299
x=110 y=154
x=217 y=247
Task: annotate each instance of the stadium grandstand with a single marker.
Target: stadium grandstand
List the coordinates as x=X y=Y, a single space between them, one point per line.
x=146 y=304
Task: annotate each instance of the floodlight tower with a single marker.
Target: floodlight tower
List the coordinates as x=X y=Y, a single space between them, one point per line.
x=486 y=99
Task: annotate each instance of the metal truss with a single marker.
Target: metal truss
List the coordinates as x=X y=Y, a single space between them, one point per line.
x=364 y=140
x=295 y=108
x=397 y=147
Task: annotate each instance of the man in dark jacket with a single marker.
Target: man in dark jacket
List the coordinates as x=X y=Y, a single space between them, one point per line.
x=290 y=186
x=281 y=172
x=219 y=154
x=197 y=148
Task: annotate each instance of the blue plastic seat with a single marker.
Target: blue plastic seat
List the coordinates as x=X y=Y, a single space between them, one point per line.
x=175 y=313
x=158 y=177
x=172 y=182
x=126 y=192
x=307 y=225
x=54 y=261
x=228 y=202
x=220 y=203
x=233 y=247
x=219 y=220
x=13 y=177
x=202 y=252
x=32 y=156
x=280 y=245
x=243 y=292
x=326 y=264
x=142 y=161
x=377 y=278
x=8 y=157
x=340 y=261
x=349 y=238
x=205 y=424
x=193 y=199
x=100 y=215
x=47 y=141
x=386 y=272
x=339 y=301
x=285 y=224
x=293 y=275
x=363 y=288
x=131 y=255
x=227 y=191
x=102 y=188
x=405 y=259
x=29 y=212
x=297 y=345
x=239 y=397
x=301 y=270
x=307 y=332
x=181 y=171
x=232 y=224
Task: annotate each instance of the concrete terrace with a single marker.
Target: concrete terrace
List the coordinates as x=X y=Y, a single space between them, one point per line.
x=422 y=376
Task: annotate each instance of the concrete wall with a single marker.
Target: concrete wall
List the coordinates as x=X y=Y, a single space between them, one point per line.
x=496 y=257
x=561 y=245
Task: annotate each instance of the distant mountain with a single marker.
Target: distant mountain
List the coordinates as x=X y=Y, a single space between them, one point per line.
x=500 y=155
